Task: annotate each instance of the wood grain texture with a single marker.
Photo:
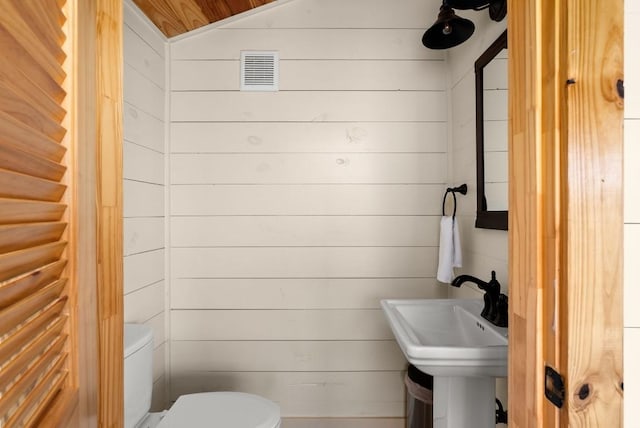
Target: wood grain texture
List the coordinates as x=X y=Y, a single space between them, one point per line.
x=28 y=63
x=81 y=140
x=29 y=90
x=175 y=17
x=14 y=103
x=34 y=406
x=20 y=236
x=530 y=193
x=20 y=287
x=23 y=137
x=29 y=330
x=189 y=13
x=22 y=186
x=20 y=311
x=23 y=261
x=18 y=161
x=592 y=353
x=16 y=211
x=45 y=20
x=38 y=369
x=566 y=232
x=47 y=52
x=34 y=287
x=109 y=36
x=14 y=368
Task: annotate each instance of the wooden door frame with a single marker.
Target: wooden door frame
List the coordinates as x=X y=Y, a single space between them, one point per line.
x=96 y=27
x=565 y=247
x=109 y=193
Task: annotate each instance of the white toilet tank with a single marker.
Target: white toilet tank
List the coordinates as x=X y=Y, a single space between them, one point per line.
x=138 y=372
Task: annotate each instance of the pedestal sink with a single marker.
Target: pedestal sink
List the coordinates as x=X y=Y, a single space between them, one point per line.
x=464 y=353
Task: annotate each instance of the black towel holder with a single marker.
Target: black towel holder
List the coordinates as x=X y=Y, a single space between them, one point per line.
x=462 y=189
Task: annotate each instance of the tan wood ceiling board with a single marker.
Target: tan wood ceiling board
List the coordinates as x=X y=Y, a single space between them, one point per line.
x=175 y=17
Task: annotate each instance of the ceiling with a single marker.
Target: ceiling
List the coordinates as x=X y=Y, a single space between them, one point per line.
x=175 y=17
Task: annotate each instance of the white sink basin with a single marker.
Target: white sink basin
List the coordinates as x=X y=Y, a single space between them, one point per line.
x=448 y=337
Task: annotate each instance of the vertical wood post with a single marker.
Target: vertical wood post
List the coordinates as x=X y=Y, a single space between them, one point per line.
x=592 y=293
x=565 y=231
x=109 y=51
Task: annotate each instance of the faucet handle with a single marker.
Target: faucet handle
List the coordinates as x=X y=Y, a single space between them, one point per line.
x=489 y=310
x=501 y=316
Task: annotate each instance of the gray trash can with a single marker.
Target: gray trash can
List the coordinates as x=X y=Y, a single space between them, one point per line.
x=419 y=398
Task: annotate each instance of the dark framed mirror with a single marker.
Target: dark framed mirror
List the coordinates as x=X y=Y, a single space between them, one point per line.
x=492 y=136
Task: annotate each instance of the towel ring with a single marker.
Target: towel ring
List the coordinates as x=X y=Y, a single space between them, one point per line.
x=462 y=189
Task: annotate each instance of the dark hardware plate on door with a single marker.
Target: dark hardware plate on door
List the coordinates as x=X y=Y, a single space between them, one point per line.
x=554 y=387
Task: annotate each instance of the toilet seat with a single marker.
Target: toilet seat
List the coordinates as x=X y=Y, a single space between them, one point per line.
x=222 y=410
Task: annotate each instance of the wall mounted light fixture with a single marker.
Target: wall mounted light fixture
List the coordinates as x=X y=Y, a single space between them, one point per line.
x=450 y=30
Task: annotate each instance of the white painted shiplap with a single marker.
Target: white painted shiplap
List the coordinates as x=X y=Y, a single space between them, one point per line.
x=309 y=394
x=296 y=293
x=303 y=262
x=308 y=106
x=292 y=324
x=294 y=212
x=352 y=168
x=310 y=199
x=304 y=231
x=322 y=14
x=317 y=75
x=484 y=250
x=310 y=43
x=309 y=137
x=142 y=128
x=288 y=355
x=142 y=199
x=143 y=234
x=144 y=184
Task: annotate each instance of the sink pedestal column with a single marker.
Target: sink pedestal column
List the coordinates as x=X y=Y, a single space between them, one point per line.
x=462 y=402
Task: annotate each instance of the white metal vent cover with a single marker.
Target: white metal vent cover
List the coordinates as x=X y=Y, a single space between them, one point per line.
x=259 y=71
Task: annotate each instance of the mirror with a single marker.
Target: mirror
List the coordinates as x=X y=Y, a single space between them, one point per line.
x=492 y=136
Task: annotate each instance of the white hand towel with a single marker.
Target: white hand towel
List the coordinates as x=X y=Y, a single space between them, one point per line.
x=450 y=251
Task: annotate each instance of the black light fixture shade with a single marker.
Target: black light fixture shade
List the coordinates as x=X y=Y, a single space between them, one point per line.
x=448 y=31
x=498 y=10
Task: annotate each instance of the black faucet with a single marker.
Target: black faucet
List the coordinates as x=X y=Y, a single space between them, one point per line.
x=496 y=307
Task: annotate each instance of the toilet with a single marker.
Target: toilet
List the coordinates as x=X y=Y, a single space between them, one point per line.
x=207 y=409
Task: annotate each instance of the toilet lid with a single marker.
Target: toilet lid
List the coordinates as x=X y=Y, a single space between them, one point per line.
x=222 y=410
